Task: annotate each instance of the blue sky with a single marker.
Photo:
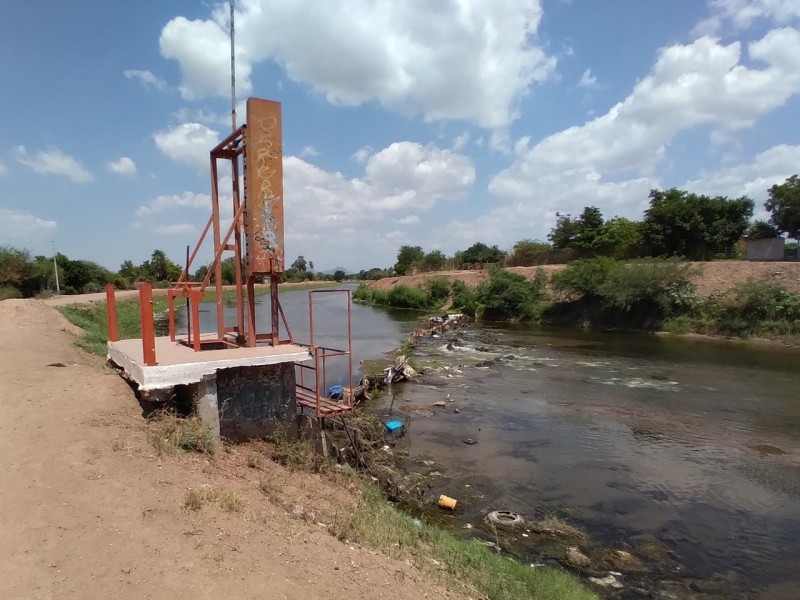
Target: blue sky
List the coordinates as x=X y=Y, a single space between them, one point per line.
x=431 y=122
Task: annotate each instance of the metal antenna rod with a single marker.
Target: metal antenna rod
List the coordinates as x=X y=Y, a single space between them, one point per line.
x=55 y=266
x=233 y=73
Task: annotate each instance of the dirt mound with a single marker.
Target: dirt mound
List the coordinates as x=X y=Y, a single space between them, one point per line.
x=19 y=314
x=711 y=276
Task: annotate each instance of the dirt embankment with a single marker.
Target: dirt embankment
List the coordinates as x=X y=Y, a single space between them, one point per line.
x=88 y=511
x=711 y=276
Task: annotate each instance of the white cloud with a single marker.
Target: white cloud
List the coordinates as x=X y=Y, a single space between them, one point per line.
x=123 y=166
x=588 y=80
x=362 y=154
x=147 y=79
x=54 y=162
x=188 y=144
x=308 y=151
x=473 y=59
x=690 y=85
x=741 y=14
x=22 y=227
x=3 y=170
x=460 y=142
x=175 y=229
x=167 y=202
x=404 y=177
x=409 y=220
x=752 y=178
x=612 y=161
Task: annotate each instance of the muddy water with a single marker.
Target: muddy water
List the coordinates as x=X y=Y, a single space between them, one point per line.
x=645 y=441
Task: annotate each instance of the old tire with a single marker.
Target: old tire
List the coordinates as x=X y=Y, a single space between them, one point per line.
x=505 y=519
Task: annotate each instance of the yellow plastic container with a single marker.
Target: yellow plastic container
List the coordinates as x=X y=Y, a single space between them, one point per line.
x=447 y=502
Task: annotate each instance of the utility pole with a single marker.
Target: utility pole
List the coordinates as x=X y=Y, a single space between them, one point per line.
x=233 y=74
x=55 y=266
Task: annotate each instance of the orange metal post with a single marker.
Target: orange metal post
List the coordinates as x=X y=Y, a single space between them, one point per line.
x=111 y=307
x=197 y=297
x=148 y=325
x=217 y=248
x=171 y=306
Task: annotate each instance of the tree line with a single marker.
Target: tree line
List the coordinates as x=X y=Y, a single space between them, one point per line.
x=23 y=275
x=677 y=223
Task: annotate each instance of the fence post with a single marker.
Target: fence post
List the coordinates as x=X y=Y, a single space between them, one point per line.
x=111 y=311
x=148 y=325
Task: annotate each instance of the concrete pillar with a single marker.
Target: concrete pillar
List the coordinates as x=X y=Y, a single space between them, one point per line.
x=206 y=404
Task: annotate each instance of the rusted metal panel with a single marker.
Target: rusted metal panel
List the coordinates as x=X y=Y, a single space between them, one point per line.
x=264 y=195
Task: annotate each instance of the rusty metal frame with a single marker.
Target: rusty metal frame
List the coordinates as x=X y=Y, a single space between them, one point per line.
x=262 y=250
x=315 y=398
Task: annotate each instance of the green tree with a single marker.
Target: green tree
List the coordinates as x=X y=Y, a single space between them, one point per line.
x=588 y=227
x=529 y=252
x=784 y=206
x=564 y=232
x=300 y=264
x=433 y=261
x=339 y=275
x=619 y=238
x=407 y=258
x=695 y=227
x=161 y=268
x=760 y=230
x=480 y=253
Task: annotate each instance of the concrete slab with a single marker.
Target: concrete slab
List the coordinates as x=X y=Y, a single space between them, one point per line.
x=180 y=365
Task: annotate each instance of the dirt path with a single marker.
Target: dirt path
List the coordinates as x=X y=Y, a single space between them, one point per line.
x=711 y=276
x=88 y=512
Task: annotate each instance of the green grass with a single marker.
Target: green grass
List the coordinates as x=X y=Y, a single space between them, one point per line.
x=463 y=562
x=93 y=319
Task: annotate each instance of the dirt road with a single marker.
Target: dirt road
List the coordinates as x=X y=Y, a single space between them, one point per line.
x=711 y=276
x=87 y=511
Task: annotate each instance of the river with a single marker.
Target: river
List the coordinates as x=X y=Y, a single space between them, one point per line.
x=688 y=445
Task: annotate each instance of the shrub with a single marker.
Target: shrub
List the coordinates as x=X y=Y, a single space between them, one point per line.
x=403 y=296
x=464 y=298
x=661 y=284
x=363 y=293
x=752 y=307
x=584 y=276
x=507 y=295
x=438 y=289
x=8 y=291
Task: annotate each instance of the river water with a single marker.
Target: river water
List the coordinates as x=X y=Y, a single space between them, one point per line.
x=689 y=445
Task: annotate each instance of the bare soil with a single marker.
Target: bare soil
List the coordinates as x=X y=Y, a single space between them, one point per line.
x=711 y=276
x=88 y=511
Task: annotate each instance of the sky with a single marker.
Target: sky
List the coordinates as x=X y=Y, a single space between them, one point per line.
x=437 y=123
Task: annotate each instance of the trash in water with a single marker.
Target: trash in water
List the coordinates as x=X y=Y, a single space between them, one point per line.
x=470 y=441
x=393 y=426
x=447 y=502
x=336 y=392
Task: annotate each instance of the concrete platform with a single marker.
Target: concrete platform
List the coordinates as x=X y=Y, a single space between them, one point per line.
x=180 y=365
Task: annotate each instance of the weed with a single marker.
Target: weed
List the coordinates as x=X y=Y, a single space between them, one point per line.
x=171 y=434
x=295 y=454
x=227 y=500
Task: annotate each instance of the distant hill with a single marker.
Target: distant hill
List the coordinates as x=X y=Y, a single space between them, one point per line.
x=332 y=271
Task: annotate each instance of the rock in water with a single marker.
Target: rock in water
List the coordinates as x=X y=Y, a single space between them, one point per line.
x=576 y=558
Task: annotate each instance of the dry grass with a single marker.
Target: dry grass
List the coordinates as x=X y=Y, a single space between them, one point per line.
x=558 y=528
x=198 y=497
x=170 y=434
